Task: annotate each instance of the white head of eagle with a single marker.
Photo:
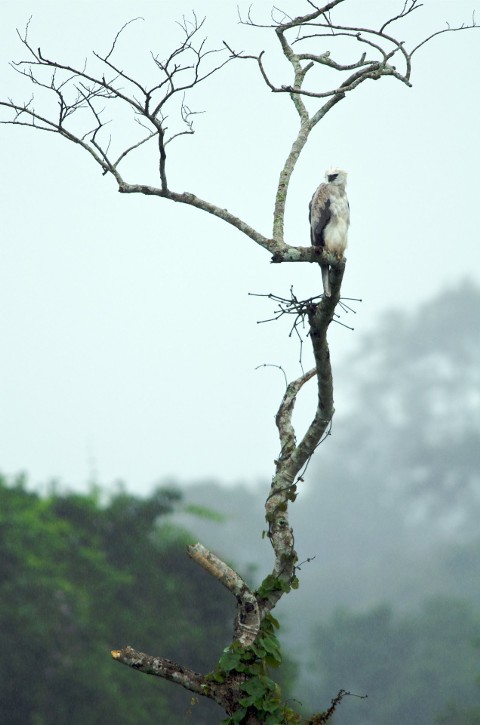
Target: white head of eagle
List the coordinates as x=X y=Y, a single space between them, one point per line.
x=330 y=218
x=336 y=176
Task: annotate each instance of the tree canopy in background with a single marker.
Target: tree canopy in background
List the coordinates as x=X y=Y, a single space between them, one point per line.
x=76 y=577
x=416 y=667
x=418 y=376
x=79 y=573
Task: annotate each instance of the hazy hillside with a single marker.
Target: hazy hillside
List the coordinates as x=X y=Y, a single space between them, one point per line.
x=390 y=506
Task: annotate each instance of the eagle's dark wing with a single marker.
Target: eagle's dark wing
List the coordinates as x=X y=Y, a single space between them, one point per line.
x=319 y=215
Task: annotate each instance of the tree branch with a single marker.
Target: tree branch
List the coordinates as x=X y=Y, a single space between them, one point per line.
x=247 y=620
x=293 y=456
x=161 y=667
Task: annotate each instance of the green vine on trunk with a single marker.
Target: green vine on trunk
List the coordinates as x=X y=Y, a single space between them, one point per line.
x=262 y=694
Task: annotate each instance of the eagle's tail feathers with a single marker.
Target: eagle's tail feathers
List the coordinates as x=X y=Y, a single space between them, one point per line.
x=326 y=281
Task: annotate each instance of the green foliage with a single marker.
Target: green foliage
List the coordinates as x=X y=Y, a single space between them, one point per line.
x=262 y=694
x=274 y=584
x=78 y=579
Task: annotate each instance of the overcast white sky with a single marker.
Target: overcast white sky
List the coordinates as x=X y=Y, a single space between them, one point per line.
x=129 y=341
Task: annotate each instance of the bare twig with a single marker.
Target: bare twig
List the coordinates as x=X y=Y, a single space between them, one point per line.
x=187 y=60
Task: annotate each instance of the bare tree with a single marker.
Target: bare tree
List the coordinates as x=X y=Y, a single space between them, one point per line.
x=241 y=683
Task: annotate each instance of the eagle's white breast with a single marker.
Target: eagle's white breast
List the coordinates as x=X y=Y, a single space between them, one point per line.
x=336 y=231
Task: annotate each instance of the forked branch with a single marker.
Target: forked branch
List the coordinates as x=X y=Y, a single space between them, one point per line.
x=83 y=97
x=380 y=49
x=79 y=90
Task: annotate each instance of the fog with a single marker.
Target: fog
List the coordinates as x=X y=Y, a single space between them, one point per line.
x=130 y=344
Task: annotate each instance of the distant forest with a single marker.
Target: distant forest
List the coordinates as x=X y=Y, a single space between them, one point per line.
x=388 y=520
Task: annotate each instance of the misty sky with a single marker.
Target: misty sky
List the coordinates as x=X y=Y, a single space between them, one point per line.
x=129 y=341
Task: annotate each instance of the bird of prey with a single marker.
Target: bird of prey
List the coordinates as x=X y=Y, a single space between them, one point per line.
x=329 y=219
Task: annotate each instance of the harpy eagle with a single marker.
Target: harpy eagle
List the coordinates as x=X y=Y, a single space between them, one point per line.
x=330 y=218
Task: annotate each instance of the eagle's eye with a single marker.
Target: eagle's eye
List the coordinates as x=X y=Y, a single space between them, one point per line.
x=332 y=177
